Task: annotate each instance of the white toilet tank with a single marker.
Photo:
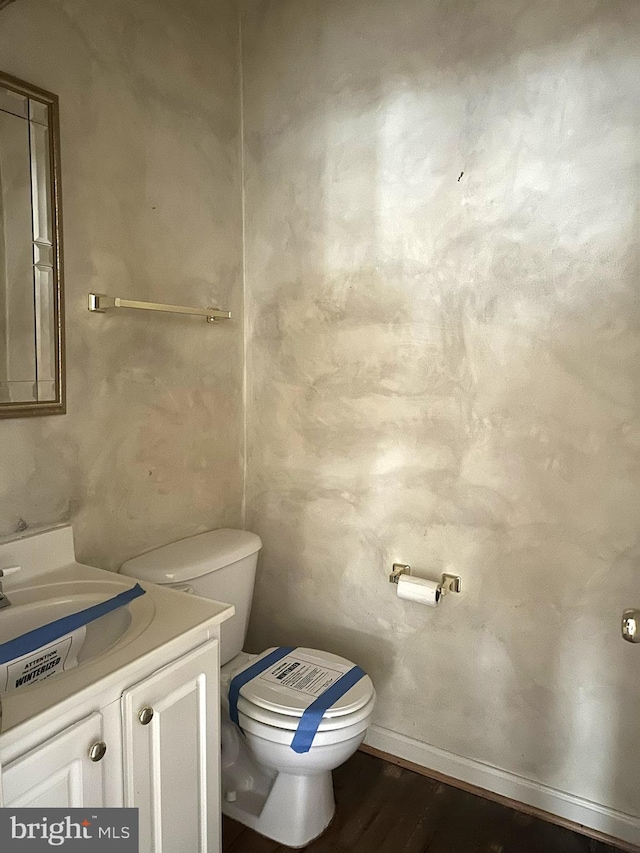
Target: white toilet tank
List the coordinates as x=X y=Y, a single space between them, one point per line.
x=220 y=564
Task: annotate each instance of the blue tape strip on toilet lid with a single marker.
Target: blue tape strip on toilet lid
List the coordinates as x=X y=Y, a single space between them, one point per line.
x=250 y=673
x=312 y=717
x=310 y=711
x=32 y=640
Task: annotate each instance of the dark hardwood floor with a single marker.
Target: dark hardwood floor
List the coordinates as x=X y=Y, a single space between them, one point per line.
x=382 y=808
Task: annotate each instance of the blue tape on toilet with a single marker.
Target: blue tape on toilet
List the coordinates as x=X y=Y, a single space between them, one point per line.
x=39 y=637
x=249 y=674
x=312 y=717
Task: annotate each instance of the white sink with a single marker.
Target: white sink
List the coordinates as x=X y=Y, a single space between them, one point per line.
x=35 y=606
x=51 y=585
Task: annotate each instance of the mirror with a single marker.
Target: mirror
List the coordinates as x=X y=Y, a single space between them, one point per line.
x=31 y=307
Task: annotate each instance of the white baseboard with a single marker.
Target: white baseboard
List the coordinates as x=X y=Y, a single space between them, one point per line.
x=580 y=811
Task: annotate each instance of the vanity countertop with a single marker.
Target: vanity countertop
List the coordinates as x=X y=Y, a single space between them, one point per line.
x=159 y=617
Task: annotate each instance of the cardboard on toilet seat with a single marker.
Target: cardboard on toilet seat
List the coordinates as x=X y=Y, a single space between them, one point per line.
x=291 y=684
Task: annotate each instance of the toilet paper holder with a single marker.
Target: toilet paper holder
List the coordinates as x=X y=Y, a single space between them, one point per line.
x=449 y=583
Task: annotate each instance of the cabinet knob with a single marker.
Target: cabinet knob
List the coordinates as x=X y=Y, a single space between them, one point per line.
x=145 y=716
x=97 y=750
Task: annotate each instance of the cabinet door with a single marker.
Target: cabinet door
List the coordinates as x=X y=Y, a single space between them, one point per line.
x=171 y=755
x=59 y=773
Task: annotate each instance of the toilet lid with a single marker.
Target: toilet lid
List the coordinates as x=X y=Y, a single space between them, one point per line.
x=276 y=720
x=295 y=681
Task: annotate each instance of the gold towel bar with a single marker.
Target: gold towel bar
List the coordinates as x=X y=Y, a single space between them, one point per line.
x=99 y=303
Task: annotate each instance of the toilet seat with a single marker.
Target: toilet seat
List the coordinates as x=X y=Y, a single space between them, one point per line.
x=290 y=723
x=275 y=735
x=287 y=702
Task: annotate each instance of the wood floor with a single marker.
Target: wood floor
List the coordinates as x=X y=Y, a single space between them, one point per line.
x=382 y=808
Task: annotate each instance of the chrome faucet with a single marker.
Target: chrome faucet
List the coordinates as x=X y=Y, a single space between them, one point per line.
x=4 y=599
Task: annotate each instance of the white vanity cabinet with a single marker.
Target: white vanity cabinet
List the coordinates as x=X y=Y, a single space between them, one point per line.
x=59 y=772
x=137 y=722
x=155 y=747
x=171 y=754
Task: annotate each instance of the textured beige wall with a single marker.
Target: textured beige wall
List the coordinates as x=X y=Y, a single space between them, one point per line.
x=444 y=369
x=151 y=447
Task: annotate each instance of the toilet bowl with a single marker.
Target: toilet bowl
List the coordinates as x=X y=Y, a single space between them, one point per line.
x=278 y=786
x=294 y=790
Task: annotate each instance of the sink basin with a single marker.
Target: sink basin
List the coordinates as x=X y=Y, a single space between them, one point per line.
x=102 y=658
x=33 y=607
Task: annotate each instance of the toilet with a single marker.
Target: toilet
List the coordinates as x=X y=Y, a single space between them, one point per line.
x=277 y=751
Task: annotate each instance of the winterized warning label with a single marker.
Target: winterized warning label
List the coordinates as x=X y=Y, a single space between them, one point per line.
x=304 y=674
x=43 y=663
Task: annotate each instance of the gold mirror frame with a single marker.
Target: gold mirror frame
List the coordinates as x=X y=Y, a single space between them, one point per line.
x=57 y=406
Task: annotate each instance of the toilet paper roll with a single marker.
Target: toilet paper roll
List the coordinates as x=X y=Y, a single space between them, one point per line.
x=419 y=590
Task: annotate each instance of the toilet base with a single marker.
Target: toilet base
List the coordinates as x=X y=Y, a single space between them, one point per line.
x=297 y=809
